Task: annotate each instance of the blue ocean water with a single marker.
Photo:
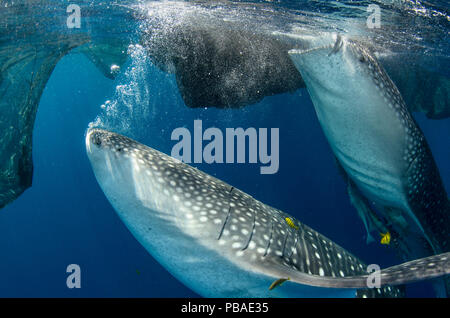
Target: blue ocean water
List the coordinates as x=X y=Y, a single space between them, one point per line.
x=65 y=218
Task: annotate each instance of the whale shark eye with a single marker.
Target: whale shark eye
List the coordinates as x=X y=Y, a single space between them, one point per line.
x=96 y=140
x=362 y=59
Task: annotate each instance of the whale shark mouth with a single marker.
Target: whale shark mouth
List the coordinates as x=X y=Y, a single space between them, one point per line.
x=308 y=44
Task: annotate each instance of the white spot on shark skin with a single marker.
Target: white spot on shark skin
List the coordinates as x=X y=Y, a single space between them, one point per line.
x=236 y=245
x=321 y=272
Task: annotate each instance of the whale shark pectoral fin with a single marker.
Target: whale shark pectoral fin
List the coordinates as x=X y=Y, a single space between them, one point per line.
x=368 y=216
x=417 y=270
x=365 y=212
x=408 y=226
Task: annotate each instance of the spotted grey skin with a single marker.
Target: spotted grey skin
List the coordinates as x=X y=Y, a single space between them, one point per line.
x=377 y=141
x=218 y=240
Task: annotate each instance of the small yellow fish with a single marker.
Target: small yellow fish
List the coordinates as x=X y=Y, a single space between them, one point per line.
x=385 y=238
x=278 y=282
x=291 y=223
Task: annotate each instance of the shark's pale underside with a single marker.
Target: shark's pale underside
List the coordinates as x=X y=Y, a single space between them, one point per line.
x=221 y=242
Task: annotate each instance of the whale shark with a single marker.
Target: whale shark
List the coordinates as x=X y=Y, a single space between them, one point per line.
x=220 y=241
x=223 y=65
x=391 y=173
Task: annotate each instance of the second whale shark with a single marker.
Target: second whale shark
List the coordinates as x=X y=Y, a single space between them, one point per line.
x=392 y=177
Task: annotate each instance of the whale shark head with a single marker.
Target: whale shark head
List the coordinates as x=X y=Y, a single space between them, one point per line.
x=132 y=174
x=338 y=65
x=151 y=190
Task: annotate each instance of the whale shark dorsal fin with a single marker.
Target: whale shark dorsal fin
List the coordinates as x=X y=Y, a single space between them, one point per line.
x=405 y=273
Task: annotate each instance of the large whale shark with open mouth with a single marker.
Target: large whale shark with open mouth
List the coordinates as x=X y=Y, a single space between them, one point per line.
x=221 y=242
x=378 y=145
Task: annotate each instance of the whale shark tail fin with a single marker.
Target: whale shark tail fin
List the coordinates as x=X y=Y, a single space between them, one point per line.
x=31 y=44
x=25 y=69
x=108 y=55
